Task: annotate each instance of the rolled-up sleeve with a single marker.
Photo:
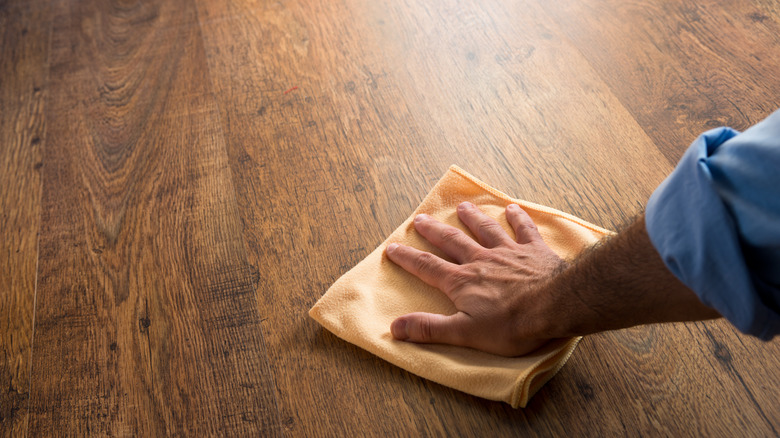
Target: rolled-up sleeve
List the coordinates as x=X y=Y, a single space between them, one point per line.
x=715 y=221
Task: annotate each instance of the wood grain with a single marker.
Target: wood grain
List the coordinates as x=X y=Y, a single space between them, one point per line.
x=680 y=68
x=146 y=320
x=205 y=169
x=479 y=79
x=24 y=43
x=464 y=82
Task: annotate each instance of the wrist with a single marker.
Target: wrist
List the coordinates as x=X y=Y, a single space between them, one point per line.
x=552 y=315
x=566 y=309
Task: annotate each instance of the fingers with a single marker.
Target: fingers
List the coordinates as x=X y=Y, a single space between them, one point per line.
x=489 y=233
x=525 y=229
x=431 y=328
x=426 y=266
x=454 y=242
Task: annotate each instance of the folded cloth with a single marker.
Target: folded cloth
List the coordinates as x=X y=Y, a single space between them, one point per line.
x=360 y=305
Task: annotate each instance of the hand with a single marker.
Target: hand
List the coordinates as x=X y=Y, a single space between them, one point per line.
x=495 y=284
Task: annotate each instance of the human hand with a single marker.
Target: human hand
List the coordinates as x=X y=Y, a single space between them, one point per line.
x=495 y=284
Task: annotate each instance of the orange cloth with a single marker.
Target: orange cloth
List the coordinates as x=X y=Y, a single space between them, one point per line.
x=360 y=305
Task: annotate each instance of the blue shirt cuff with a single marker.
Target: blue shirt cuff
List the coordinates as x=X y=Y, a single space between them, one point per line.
x=698 y=239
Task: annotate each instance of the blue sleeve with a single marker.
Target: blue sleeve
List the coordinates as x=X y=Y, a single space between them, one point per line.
x=715 y=221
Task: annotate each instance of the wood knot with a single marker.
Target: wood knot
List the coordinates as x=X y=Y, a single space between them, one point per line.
x=721 y=353
x=758 y=17
x=144 y=324
x=585 y=390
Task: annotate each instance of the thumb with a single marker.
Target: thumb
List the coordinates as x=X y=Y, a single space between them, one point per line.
x=430 y=328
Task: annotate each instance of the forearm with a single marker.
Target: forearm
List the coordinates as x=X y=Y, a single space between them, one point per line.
x=620 y=283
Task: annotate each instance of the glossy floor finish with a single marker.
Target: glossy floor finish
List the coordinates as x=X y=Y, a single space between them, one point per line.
x=180 y=180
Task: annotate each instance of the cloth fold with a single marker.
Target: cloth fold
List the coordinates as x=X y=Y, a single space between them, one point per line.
x=360 y=305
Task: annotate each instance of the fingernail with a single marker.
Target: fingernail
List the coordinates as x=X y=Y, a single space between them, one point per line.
x=399 y=329
x=392 y=247
x=513 y=207
x=420 y=217
x=465 y=205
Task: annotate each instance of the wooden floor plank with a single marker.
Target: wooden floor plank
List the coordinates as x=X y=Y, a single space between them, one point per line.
x=24 y=48
x=420 y=87
x=297 y=172
x=668 y=380
x=210 y=167
x=146 y=320
x=681 y=68
x=519 y=106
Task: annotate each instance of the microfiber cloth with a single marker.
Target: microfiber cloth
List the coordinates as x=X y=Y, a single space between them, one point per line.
x=360 y=305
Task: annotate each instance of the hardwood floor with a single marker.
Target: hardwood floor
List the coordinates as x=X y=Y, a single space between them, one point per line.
x=680 y=68
x=181 y=180
x=24 y=48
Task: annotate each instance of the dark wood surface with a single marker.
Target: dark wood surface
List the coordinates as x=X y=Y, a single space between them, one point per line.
x=24 y=48
x=181 y=180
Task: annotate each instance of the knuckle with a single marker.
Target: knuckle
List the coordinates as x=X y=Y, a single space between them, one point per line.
x=478 y=274
x=528 y=224
x=481 y=254
x=425 y=262
x=460 y=278
x=426 y=328
x=466 y=276
x=450 y=235
x=489 y=227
